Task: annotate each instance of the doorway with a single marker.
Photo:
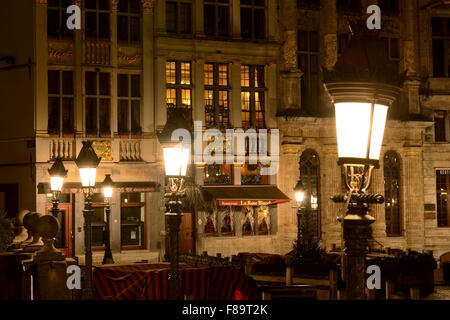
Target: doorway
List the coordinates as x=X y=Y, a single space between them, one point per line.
x=186 y=240
x=65 y=238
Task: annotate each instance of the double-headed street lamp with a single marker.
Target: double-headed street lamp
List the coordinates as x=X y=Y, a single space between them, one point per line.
x=88 y=161
x=362 y=87
x=108 y=186
x=57 y=174
x=176 y=159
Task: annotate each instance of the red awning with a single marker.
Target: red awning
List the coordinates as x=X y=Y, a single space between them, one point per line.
x=255 y=195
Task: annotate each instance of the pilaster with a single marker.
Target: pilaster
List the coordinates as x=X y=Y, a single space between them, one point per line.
x=148 y=94
x=41 y=65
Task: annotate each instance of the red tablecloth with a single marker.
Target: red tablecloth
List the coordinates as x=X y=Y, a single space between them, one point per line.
x=149 y=282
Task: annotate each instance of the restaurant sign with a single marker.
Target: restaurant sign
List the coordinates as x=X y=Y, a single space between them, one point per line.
x=243 y=203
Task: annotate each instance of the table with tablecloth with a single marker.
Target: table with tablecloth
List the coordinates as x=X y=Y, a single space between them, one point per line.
x=150 y=282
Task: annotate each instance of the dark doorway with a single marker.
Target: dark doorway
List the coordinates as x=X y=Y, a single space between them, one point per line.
x=9 y=200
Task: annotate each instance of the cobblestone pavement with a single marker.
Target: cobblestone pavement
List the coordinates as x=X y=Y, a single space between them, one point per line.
x=440 y=293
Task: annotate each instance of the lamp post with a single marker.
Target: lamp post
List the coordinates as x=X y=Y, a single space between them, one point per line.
x=176 y=159
x=87 y=161
x=362 y=87
x=300 y=195
x=108 y=186
x=57 y=174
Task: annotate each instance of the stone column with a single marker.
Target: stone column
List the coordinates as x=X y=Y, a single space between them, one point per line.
x=160 y=16
x=78 y=78
x=328 y=24
x=199 y=19
x=160 y=92
x=148 y=94
x=237 y=174
x=290 y=76
x=235 y=99
x=198 y=105
x=236 y=18
x=114 y=47
x=41 y=65
x=409 y=62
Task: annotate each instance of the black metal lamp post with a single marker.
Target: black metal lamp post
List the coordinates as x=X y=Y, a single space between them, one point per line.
x=87 y=161
x=362 y=87
x=57 y=174
x=300 y=195
x=108 y=186
x=176 y=159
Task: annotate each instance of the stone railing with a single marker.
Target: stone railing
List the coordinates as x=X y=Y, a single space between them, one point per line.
x=63 y=148
x=97 y=52
x=130 y=150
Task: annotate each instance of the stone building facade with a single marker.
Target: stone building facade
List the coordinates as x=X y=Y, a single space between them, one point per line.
x=231 y=64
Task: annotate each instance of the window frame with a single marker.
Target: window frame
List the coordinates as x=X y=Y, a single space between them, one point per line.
x=130 y=15
x=61 y=96
x=310 y=101
x=129 y=133
x=252 y=89
x=392 y=160
x=97 y=12
x=98 y=97
x=306 y=161
x=445 y=39
x=62 y=30
x=216 y=88
x=348 y=7
x=179 y=87
x=217 y=4
x=144 y=226
x=178 y=18
x=440 y=215
x=253 y=7
x=389 y=9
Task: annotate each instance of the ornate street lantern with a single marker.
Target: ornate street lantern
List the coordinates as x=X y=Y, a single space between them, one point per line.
x=362 y=86
x=87 y=162
x=300 y=192
x=108 y=186
x=176 y=160
x=57 y=174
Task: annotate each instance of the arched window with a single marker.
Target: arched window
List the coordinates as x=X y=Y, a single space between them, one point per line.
x=392 y=193
x=309 y=173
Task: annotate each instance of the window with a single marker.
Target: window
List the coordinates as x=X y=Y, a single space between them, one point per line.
x=217 y=174
x=97 y=103
x=179 y=86
x=349 y=5
x=97 y=20
x=392 y=193
x=308 y=63
x=179 y=16
x=255 y=220
x=217 y=17
x=217 y=110
x=442 y=189
x=441 y=121
x=314 y=4
x=129 y=104
x=129 y=21
x=253 y=19
x=310 y=175
x=60 y=102
x=389 y=7
x=441 y=44
x=132 y=220
x=252 y=96
x=56 y=19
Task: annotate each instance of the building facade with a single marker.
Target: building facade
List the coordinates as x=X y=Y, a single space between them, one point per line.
x=231 y=64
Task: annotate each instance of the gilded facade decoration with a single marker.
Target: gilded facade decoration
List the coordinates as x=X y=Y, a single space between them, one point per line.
x=102 y=149
x=147 y=6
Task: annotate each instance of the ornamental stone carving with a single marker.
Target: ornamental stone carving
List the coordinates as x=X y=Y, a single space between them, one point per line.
x=114 y=4
x=290 y=50
x=147 y=6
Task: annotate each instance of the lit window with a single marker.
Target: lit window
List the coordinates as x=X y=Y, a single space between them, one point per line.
x=216 y=95
x=252 y=96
